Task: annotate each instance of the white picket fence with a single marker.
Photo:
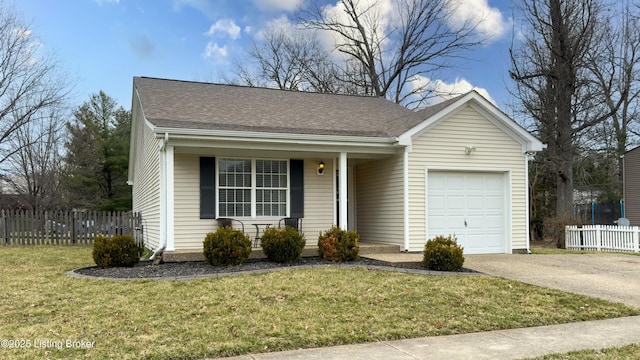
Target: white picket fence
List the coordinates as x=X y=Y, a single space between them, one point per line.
x=603 y=238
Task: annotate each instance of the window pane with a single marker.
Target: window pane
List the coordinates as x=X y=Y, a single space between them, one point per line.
x=271 y=181
x=234 y=185
x=259 y=210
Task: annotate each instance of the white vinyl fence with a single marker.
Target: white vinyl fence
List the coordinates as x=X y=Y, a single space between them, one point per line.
x=603 y=238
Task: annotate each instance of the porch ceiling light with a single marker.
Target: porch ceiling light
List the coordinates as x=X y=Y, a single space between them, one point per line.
x=320 y=168
x=469 y=149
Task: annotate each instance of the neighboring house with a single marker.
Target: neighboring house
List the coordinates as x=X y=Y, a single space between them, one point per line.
x=201 y=151
x=631 y=185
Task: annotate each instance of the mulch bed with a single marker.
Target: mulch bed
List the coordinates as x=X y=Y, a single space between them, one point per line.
x=146 y=270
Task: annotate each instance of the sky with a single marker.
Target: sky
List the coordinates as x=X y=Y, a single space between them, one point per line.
x=103 y=44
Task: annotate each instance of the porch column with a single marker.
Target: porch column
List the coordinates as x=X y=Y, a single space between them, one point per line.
x=343 y=192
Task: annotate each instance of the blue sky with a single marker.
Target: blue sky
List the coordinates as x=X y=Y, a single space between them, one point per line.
x=103 y=44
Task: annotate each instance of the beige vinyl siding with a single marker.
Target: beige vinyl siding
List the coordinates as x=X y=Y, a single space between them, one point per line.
x=379 y=194
x=190 y=230
x=146 y=181
x=319 y=200
x=443 y=147
x=632 y=186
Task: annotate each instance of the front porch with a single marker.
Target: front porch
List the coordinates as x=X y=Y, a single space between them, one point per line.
x=204 y=185
x=311 y=250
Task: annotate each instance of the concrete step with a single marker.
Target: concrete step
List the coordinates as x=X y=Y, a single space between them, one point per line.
x=395 y=258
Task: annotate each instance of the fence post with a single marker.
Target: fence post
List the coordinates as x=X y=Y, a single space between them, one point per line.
x=74 y=231
x=5 y=230
x=598 y=237
x=636 y=233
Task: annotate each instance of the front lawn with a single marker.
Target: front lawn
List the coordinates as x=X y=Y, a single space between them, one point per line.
x=614 y=353
x=281 y=310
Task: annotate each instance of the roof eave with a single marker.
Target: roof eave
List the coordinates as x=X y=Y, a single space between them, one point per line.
x=276 y=138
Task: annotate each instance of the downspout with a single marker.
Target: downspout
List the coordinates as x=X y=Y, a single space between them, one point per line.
x=405 y=191
x=158 y=252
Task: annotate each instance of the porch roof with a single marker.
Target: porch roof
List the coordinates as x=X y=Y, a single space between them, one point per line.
x=175 y=104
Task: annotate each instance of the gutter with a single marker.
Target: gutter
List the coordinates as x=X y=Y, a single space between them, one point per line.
x=280 y=139
x=156 y=257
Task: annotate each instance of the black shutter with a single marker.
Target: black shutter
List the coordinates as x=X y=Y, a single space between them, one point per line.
x=296 y=168
x=207 y=188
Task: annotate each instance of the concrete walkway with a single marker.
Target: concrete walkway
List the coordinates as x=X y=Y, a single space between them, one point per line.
x=609 y=276
x=504 y=344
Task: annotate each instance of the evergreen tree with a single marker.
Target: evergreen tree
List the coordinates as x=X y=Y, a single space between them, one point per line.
x=97 y=156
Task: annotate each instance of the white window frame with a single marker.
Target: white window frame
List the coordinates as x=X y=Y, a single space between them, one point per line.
x=253 y=188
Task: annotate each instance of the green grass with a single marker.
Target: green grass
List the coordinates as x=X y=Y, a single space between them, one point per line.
x=281 y=310
x=552 y=251
x=615 y=353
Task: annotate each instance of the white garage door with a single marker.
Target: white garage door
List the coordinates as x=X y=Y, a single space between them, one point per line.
x=469 y=205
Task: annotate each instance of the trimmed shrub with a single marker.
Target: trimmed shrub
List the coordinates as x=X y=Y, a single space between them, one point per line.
x=226 y=246
x=443 y=254
x=338 y=245
x=116 y=251
x=282 y=245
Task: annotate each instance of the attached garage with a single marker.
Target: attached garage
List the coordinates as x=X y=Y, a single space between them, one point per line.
x=470 y=205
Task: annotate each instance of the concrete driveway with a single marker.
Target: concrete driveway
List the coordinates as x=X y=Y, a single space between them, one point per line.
x=613 y=277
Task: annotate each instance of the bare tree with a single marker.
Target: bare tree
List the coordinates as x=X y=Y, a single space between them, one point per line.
x=551 y=72
x=289 y=61
x=35 y=168
x=29 y=84
x=385 y=58
x=615 y=65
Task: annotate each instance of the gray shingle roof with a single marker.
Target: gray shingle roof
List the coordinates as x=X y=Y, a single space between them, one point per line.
x=194 y=105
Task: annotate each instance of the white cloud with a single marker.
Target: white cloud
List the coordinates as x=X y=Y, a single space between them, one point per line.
x=29 y=54
x=281 y=23
x=213 y=51
x=207 y=7
x=225 y=26
x=286 y=5
x=380 y=16
x=102 y=2
x=445 y=90
x=490 y=21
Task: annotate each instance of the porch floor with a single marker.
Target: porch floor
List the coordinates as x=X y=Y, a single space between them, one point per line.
x=366 y=250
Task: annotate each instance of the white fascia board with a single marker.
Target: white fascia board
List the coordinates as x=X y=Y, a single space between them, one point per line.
x=133 y=137
x=488 y=110
x=277 y=138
